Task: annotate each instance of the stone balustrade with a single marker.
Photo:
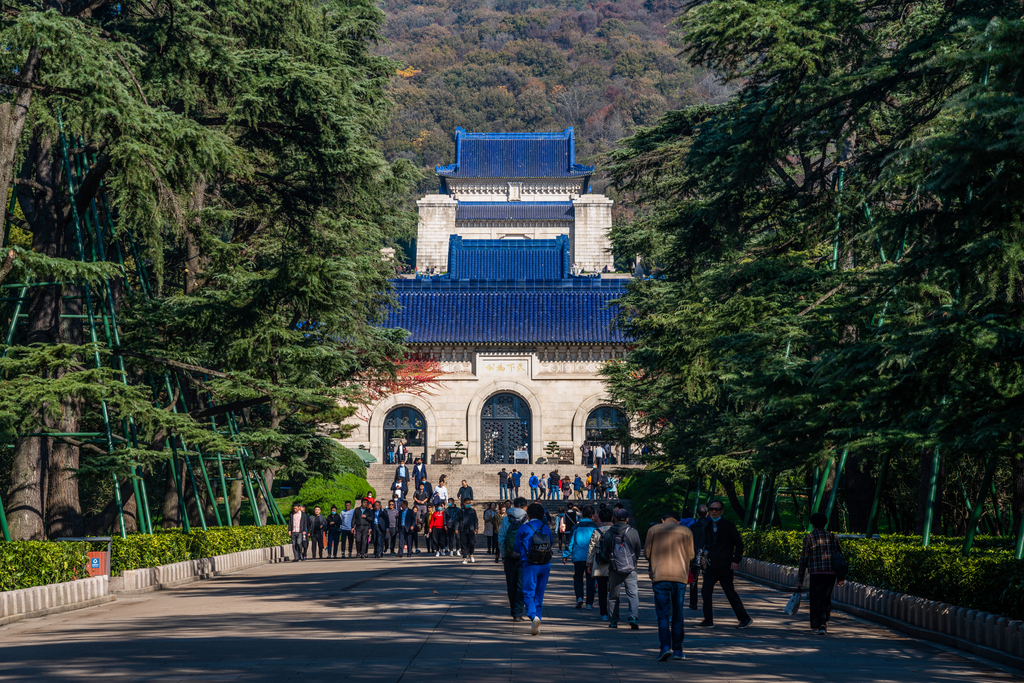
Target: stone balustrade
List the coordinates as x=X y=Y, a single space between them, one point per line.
x=987 y=635
x=53 y=598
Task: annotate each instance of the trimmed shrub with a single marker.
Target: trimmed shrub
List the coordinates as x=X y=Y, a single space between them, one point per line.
x=334 y=491
x=987 y=580
x=24 y=564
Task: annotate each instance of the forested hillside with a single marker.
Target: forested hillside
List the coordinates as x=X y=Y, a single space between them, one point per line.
x=510 y=65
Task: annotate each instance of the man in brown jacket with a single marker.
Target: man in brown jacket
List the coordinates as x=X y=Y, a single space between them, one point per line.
x=669 y=551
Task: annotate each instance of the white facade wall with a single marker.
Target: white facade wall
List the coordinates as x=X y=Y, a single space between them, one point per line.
x=591 y=247
x=561 y=385
x=437 y=222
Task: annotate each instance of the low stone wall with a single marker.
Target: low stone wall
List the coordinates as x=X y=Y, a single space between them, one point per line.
x=71 y=595
x=56 y=597
x=980 y=633
x=179 y=573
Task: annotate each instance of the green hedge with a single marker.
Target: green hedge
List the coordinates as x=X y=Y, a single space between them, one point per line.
x=990 y=580
x=334 y=491
x=25 y=564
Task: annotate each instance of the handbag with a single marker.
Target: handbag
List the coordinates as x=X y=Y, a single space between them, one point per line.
x=839 y=564
x=793 y=606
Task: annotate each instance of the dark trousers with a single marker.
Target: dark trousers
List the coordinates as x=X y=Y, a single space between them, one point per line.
x=405 y=537
x=362 y=534
x=713 y=575
x=581 y=579
x=820 y=598
x=380 y=542
x=440 y=538
x=668 y=604
x=393 y=539
x=602 y=593
x=318 y=544
x=333 y=541
x=693 y=587
x=347 y=535
x=514 y=586
x=297 y=545
x=468 y=542
x=453 y=540
x=492 y=544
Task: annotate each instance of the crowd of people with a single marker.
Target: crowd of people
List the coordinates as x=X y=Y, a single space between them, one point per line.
x=596 y=539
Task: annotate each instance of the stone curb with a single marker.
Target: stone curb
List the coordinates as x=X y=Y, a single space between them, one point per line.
x=980 y=633
x=54 y=598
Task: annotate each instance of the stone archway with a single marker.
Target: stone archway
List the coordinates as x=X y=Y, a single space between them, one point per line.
x=476 y=405
x=579 y=420
x=380 y=412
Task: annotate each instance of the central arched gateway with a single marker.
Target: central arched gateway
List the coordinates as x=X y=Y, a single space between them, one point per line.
x=504 y=428
x=405 y=426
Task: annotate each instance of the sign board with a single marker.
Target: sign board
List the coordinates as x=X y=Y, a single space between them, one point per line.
x=521 y=456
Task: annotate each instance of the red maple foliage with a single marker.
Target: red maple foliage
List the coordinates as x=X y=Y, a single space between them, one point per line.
x=418 y=374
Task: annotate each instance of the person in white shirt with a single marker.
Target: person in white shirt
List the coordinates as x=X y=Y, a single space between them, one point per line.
x=440 y=494
x=346 y=528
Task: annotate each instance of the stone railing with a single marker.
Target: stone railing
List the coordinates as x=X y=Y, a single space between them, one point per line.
x=980 y=633
x=56 y=597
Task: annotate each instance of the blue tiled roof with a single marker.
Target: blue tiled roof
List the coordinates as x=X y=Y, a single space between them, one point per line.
x=543 y=315
x=514 y=155
x=508 y=259
x=515 y=211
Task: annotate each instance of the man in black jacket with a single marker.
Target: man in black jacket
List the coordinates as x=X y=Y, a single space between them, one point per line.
x=362 y=520
x=725 y=550
x=381 y=522
x=406 y=527
x=468 y=526
x=318 y=524
x=452 y=516
x=298 y=522
x=402 y=472
x=419 y=472
x=465 y=492
x=333 y=532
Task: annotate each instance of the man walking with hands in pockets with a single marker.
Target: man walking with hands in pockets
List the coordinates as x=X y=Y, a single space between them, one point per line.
x=725 y=550
x=669 y=549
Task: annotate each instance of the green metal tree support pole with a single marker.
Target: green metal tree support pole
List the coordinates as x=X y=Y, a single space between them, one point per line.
x=748 y=500
x=933 y=494
x=711 y=489
x=835 y=486
x=876 y=504
x=3 y=522
x=979 y=505
x=820 y=493
x=696 y=498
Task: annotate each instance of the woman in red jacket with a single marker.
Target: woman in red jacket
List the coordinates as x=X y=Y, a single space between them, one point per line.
x=436 y=529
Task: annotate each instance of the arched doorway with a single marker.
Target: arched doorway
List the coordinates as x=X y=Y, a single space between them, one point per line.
x=405 y=426
x=604 y=426
x=504 y=429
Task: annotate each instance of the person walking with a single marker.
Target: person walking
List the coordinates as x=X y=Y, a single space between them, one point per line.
x=419 y=473
x=451 y=525
x=346 y=528
x=362 y=523
x=392 y=513
x=438 y=535
x=297 y=524
x=489 y=514
x=697 y=529
x=669 y=552
x=534 y=485
x=542 y=484
x=402 y=471
x=577 y=487
x=560 y=527
x=576 y=552
x=533 y=543
x=513 y=520
x=465 y=493
x=599 y=570
x=820 y=546
x=621 y=546
x=440 y=493
x=502 y=484
x=555 y=486
x=724 y=551
x=517 y=478
x=333 y=532
x=419 y=501
x=468 y=525
x=406 y=528
x=398 y=490
x=318 y=531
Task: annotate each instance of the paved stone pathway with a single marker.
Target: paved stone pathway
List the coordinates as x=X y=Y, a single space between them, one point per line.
x=427 y=619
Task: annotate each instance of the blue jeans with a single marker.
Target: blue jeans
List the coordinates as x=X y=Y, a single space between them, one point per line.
x=535 y=580
x=534 y=492
x=503 y=491
x=668 y=604
x=555 y=494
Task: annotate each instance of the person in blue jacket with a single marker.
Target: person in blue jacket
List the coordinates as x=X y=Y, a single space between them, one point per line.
x=534 y=484
x=579 y=544
x=535 y=574
x=517 y=479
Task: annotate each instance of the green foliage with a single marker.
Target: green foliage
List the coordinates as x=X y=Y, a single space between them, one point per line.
x=24 y=564
x=334 y=491
x=653 y=493
x=139 y=551
x=990 y=580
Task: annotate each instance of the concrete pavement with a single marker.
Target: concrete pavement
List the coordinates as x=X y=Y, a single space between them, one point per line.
x=427 y=619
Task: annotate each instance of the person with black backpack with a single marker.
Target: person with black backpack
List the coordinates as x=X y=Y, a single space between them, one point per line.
x=823 y=556
x=620 y=548
x=510 y=525
x=534 y=543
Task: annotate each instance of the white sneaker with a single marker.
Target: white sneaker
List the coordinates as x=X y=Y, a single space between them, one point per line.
x=472 y=558
x=465 y=562
x=459 y=553
x=536 y=626
x=437 y=554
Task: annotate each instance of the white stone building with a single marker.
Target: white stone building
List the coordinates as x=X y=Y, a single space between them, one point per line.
x=521 y=340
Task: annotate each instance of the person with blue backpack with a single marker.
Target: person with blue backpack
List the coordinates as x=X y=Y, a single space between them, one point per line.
x=534 y=543
x=579 y=544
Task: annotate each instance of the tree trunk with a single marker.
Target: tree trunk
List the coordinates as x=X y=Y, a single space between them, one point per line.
x=235 y=502
x=734 y=501
x=106 y=521
x=13 y=116
x=1017 y=484
x=171 y=511
x=859 y=493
